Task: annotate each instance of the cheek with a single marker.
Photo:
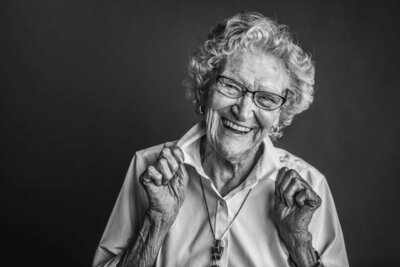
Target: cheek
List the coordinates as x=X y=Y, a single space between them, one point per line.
x=267 y=119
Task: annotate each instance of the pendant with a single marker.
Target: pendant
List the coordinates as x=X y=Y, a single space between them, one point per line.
x=216 y=252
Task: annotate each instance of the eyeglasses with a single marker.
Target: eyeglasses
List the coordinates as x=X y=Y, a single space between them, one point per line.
x=264 y=100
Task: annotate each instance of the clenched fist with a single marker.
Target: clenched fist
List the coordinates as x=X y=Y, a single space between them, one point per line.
x=165 y=182
x=295 y=204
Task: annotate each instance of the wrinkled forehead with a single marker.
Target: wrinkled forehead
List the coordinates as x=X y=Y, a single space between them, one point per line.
x=258 y=71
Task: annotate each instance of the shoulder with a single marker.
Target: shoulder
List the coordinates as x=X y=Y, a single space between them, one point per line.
x=308 y=172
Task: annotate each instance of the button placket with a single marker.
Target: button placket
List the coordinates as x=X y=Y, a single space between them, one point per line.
x=221 y=224
x=222 y=218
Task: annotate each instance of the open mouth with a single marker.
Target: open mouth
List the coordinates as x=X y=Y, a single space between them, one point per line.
x=235 y=128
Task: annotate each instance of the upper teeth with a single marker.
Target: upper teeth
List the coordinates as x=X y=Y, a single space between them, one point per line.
x=235 y=126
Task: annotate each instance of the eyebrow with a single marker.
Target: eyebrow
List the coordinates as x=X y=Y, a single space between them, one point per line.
x=238 y=80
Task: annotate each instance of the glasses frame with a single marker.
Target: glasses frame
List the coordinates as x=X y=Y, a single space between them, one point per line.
x=245 y=90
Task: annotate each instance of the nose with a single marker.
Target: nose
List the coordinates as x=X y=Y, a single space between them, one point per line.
x=244 y=109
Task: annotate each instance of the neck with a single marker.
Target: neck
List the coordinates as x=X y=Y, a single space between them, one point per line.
x=227 y=174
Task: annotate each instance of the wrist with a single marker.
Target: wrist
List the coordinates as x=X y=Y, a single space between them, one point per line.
x=302 y=253
x=317 y=264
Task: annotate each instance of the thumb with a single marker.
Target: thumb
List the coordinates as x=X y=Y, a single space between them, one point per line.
x=313 y=200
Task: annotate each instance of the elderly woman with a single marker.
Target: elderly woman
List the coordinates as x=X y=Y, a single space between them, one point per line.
x=223 y=195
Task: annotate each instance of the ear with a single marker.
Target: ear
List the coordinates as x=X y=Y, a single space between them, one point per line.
x=275 y=126
x=202 y=95
x=203 y=92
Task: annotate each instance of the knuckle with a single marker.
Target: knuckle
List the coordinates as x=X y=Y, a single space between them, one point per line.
x=148 y=172
x=177 y=149
x=169 y=144
x=293 y=173
x=178 y=153
x=284 y=171
x=165 y=152
x=145 y=175
x=319 y=200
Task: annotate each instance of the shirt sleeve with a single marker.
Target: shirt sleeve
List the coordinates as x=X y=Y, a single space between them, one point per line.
x=326 y=230
x=126 y=218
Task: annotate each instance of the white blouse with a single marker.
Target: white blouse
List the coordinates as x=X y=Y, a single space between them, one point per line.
x=252 y=239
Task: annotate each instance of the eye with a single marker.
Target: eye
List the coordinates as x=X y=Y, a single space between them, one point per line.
x=229 y=85
x=268 y=99
x=229 y=88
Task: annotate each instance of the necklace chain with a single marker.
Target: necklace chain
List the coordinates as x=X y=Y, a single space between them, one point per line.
x=208 y=212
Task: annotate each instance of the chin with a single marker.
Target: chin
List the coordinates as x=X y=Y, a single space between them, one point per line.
x=231 y=148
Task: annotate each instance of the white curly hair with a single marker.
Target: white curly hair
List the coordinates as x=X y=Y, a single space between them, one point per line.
x=255 y=32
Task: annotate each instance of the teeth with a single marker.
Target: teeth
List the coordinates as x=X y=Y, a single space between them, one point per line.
x=235 y=126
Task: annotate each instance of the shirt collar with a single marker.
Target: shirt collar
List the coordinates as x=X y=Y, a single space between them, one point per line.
x=190 y=145
x=267 y=166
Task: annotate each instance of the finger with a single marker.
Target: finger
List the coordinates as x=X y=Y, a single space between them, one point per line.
x=178 y=154
x=289 y=175
x=288 y=194
x=308 y=198
x=172 y=163
x=152 y=175
x=301 y=197
x=163 y=168
x=169 y=144
x=278 y=180
x=278 y=205
x=280 y=209
x=313 y=199
x=182 y=176
x=145 y=177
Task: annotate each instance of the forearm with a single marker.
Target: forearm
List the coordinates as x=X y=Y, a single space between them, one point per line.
x=144 y=250
x=301 y=251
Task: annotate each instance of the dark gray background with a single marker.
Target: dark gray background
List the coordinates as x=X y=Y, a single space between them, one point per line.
x=84 y=84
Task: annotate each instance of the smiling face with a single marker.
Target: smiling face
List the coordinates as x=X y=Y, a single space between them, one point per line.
x=236 y=127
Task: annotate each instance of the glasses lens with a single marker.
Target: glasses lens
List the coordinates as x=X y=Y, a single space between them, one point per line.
x=228 y=88
x=268 y=101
